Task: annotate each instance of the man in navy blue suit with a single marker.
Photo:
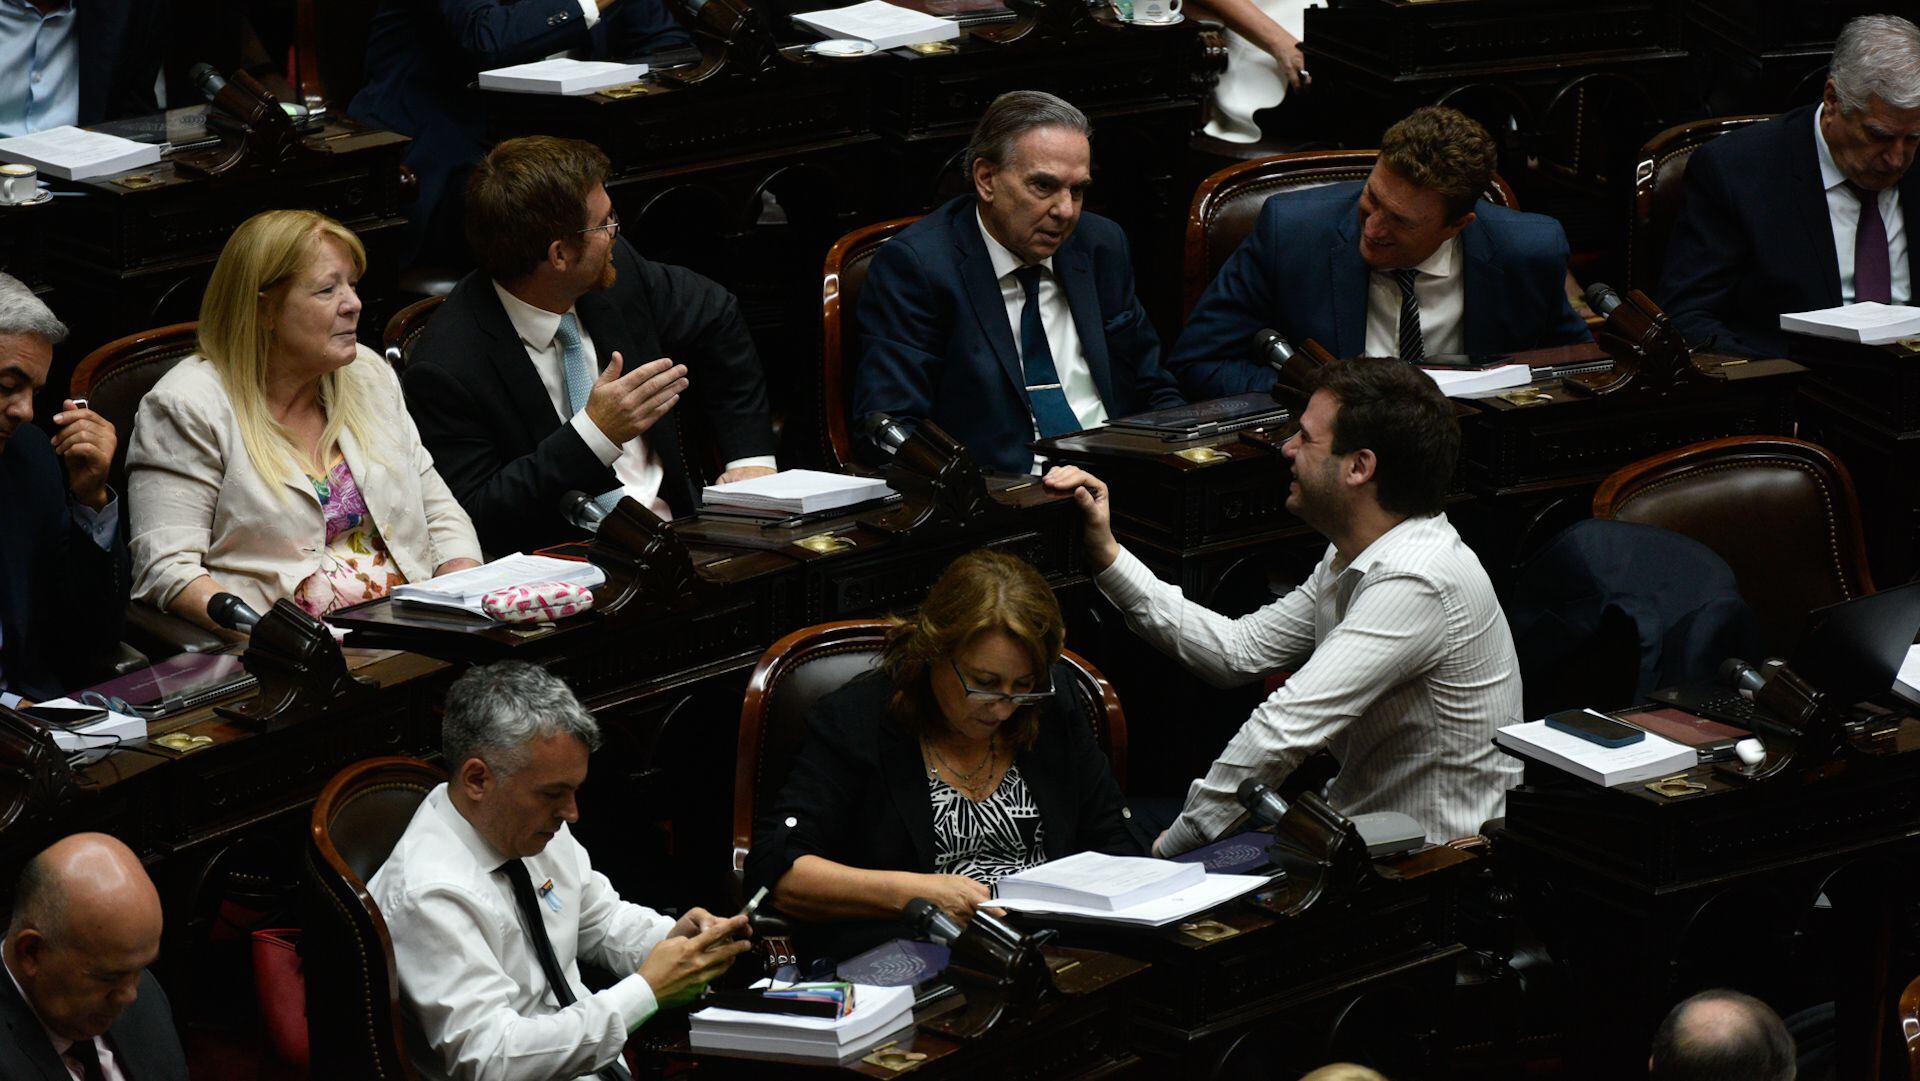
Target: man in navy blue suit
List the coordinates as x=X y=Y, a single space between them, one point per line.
x=1813 y=209
x=1009 y=314
x=1412 y=263
x=63 y=561
x=422 y=55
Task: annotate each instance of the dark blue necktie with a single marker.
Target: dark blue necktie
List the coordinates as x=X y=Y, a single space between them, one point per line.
x=1049 y=403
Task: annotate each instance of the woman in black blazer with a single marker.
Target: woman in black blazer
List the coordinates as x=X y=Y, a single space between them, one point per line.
x=965 y=758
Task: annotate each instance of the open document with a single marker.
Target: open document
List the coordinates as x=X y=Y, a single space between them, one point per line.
x=464 y=589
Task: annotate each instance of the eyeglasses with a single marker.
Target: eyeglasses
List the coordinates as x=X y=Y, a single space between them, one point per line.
x=1025 y=698
x=611 y=228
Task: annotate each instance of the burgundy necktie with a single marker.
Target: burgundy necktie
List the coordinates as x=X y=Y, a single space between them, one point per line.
x=83 y=1052
x=1872 y=267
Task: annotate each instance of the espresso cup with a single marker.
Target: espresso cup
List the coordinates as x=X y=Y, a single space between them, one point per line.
x=18 y=183
x=1156 y=11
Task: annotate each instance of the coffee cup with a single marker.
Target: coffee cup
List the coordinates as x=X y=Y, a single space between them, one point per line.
x=1156 y=11
x=18 y=184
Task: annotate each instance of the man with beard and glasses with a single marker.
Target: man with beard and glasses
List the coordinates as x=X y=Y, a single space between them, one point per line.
x=1402 y=664
x=556 y=366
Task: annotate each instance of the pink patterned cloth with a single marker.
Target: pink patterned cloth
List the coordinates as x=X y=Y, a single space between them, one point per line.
x=536 y=602
x=356 y=566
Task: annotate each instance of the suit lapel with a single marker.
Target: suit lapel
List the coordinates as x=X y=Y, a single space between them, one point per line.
x=1348 y=276
x=526 y=394
x=1074 y=268
x=28 y=1039
x=983 y=291
x=1807 y=195
x=907 y=783
x=1910 y=214
x=1481 y=277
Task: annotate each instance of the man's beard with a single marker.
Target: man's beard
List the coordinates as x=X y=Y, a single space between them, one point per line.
x=607 y=275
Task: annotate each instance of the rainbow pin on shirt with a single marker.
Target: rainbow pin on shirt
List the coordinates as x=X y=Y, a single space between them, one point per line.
x=548 y=895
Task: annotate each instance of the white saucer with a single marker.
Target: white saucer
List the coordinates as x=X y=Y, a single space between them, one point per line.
x=45 y=196
x=841 y=48
x=1178 y=18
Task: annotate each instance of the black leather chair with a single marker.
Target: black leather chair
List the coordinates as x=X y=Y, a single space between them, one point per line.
x=1658 y=191
x=845 y=272
x=353 y=992
x=405 y=328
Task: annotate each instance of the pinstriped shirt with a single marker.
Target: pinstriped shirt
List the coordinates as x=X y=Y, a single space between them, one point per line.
x=1408 y=669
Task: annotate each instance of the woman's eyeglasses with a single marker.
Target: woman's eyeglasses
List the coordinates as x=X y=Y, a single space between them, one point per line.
x=1024 y=698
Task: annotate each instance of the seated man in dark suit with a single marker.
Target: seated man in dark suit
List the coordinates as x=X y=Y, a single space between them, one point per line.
x=1009 y=314
x=423 y=55
x=1806 y=210
x=547 y=370
x=72 y=62
x=1411 y=263
x=63 y=560
x=78 y=1001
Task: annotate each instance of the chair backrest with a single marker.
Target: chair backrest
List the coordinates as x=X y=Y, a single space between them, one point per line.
x=330 y=50
x=840 y=282
x=353 y=992
x=405 y=328
x=1910 y=1027
x=1227 y=203
x=1782 y=512
x=1658 y=191
x=803 y=667
x=114 y=377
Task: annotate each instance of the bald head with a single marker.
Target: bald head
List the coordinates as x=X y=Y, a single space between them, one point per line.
x=86 y=922
x=1722 y=1036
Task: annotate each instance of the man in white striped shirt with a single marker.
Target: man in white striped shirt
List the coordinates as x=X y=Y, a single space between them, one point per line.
x=1402 y=662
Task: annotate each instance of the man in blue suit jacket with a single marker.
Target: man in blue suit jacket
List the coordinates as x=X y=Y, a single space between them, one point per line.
x=423 y=54
x=1009 y=314
x=1411 y=263
x=1772 y=213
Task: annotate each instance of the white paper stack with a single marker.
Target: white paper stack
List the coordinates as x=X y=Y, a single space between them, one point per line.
x=1654 y=756
x=1457 y=382
x=1097 y=880
x=1871 y=323
x=463 y=589
x=70 y=153
x=561 y=75
x=1191 y=900
x=877 y=1012
x=796 y=491
x=887 y=26
x=1907 y=683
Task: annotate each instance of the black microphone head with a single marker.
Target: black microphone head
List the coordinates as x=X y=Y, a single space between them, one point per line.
x=1602 y=298
x=1273 y=347
x=886 y=432
x=1731 y=668
x=926 y=920
x=231 y=612
x=1250 y=792
x=207 y=78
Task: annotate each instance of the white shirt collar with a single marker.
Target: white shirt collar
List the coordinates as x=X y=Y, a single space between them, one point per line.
x=1440 y=263
x=1830 y=175
x=1004 y=261
x=536 y=326
x=441 y=800
x=1384 y=544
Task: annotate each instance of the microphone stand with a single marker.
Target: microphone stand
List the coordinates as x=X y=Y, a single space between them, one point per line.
x=1648 y=351
x=1001 y=977
x=1806 y=729
x=938 y=481
x=646 y=565
x=1325 y=858
x=300 y=669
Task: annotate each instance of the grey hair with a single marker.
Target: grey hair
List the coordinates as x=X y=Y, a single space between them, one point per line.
x=23 y=313
x=1876 y=56
x=1012 y=115
x=494 y=712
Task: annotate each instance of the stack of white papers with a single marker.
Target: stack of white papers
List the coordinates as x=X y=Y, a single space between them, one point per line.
x=561 y=76
x=71 y=153
x=105 y=732
x=1456 y=382
x=1654 y=756
x=887 y=26
x=463 y=589
x=1907 y=683
x=796 y=491
x=1097 y=880
x=877 y=1012
x=1212 y=890
x=1871 y=323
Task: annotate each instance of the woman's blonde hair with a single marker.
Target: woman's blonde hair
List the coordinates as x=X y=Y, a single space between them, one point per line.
x=259 y=259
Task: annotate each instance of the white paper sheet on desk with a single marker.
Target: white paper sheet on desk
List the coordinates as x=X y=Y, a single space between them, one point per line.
x=105 y=732
x=1217 y=889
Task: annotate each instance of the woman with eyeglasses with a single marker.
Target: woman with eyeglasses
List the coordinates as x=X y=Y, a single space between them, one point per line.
x=280 y=461
x=965 y=757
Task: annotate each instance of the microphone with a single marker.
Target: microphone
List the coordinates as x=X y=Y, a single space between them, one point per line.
x=580 y=509
x=1383 y=832
x=231 y=612
x=1262 y=802
x=886 y=432
x=206 y=79
x=1602 y=299
x=1743 y=677
x=928 y=921
x=1275 y=350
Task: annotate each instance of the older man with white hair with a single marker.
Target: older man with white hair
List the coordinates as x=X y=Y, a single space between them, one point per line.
x=1813 y=209
x=63 y=560
x=491 y=901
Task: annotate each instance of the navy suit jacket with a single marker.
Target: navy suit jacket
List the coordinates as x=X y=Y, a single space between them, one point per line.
x=1300 y=273
x=423 y=54
x=143 y=1040
x=62 y=599
x=1753 y=238
x=121 y=48
x=934 y=340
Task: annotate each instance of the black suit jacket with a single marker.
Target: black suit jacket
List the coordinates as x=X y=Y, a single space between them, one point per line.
x=485 y=416
x=935 y=341
x=122 y=43
x=857 y=795
x=144 y=1042
x=1753 y=238
x=62 y=599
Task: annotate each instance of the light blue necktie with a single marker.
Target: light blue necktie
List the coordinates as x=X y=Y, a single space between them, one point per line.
x=580 y=375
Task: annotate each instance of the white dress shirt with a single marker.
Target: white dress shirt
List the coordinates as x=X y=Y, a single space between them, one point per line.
x=478 y=1005
x=1440 y=285
x=109 y=1066
x=1843 y=210
x=635 y=465
x=39 y=67
x=1063 y=338
x=1408 y=670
